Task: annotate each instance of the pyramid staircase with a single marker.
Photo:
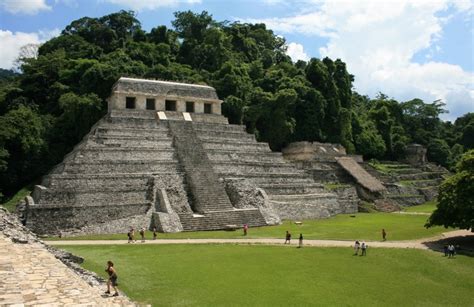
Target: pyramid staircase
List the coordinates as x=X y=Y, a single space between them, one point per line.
x=211 y=205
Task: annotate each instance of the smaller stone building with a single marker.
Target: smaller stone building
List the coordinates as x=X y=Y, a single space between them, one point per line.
x=142 y=94
x=415 y=154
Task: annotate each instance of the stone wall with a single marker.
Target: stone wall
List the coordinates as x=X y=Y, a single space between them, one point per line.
x=50 y=219
x=347 y=198
x=311 y=208
x=243 y=194
x=306 y=151
x=160 y=91
x=415 y=154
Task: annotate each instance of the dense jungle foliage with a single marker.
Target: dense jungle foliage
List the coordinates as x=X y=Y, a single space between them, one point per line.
x=52 y=103
x=455 y=202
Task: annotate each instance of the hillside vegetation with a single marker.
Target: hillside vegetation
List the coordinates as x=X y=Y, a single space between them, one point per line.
x=48 y=107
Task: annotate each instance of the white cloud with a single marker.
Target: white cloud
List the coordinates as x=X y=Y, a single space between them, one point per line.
x=29 y=7
x=12 y=43
x=140 y=5
x=378 y=39
x=296 y=52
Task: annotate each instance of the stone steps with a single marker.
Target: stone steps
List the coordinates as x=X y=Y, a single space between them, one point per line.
x=419 y=176
x=131 y=131
x=125 y=154
x=203 y=183
x=224 y=167
x=292 y=188
x=103 y=181
x=425 y=183
x=121 y=166
x=127 y=142
x=206 y=135
x=301 y=197
x=90 y=198
x=251 y=157
x=220 y=219
x=212 y=201
x=134 y=123
x=270 y=178
x=236 y=146
x=199 y=126
x=404 y=171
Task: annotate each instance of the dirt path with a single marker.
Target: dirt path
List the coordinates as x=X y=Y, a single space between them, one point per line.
x=419 y=244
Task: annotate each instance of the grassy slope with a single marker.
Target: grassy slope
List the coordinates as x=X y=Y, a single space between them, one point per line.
x=229 y=275
x=364 y=226
x=427 y=207
x=11 y=203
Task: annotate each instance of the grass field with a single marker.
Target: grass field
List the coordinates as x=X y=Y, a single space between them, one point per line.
x=240 y=275
x=427 y=207
x=363 y=226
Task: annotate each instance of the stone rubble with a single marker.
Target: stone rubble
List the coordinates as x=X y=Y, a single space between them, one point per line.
x=32 y=273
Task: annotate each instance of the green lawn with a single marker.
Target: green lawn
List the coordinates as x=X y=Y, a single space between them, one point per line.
x=363 y=226
x=11 y=202
x=427 y=207
x=241 y=275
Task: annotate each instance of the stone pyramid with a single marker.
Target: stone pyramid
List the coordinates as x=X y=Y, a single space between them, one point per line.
x=165 y=157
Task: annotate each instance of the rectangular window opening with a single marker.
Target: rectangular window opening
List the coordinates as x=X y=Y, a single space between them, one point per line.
x=190 y=106
x=130 y=102
x=170 y=105
x=150 y=104
x=208 y=108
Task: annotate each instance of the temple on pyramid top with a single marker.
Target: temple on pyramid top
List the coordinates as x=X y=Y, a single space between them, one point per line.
x=143 y=94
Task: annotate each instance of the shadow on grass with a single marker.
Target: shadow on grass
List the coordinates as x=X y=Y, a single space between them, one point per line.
x=464 y=244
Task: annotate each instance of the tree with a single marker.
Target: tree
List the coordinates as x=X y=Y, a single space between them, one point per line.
x=275 y=124
x=455 y=202
x=370 y=143
x=233 y=109
x=28 y=51
x=22 y=146
x=438 y=152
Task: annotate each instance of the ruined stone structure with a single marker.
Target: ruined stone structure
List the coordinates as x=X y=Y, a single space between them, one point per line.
x=165 y=157
x=389 y=187
x=415 y=154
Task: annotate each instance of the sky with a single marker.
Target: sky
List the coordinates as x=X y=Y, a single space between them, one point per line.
x=404 y=49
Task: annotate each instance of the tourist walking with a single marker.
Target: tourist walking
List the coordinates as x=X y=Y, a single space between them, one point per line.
x=154 y=233
x=112 y=281
x=445 y=249
x=451 y=251
x=142 y=234
x=131 y=235
x=246 y=228
x=356 y=248
x=384 y=235
x=300 y=241
x=288 y=237
x=363 y=247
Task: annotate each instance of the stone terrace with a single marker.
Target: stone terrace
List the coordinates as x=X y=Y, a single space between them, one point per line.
x=133 y=163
